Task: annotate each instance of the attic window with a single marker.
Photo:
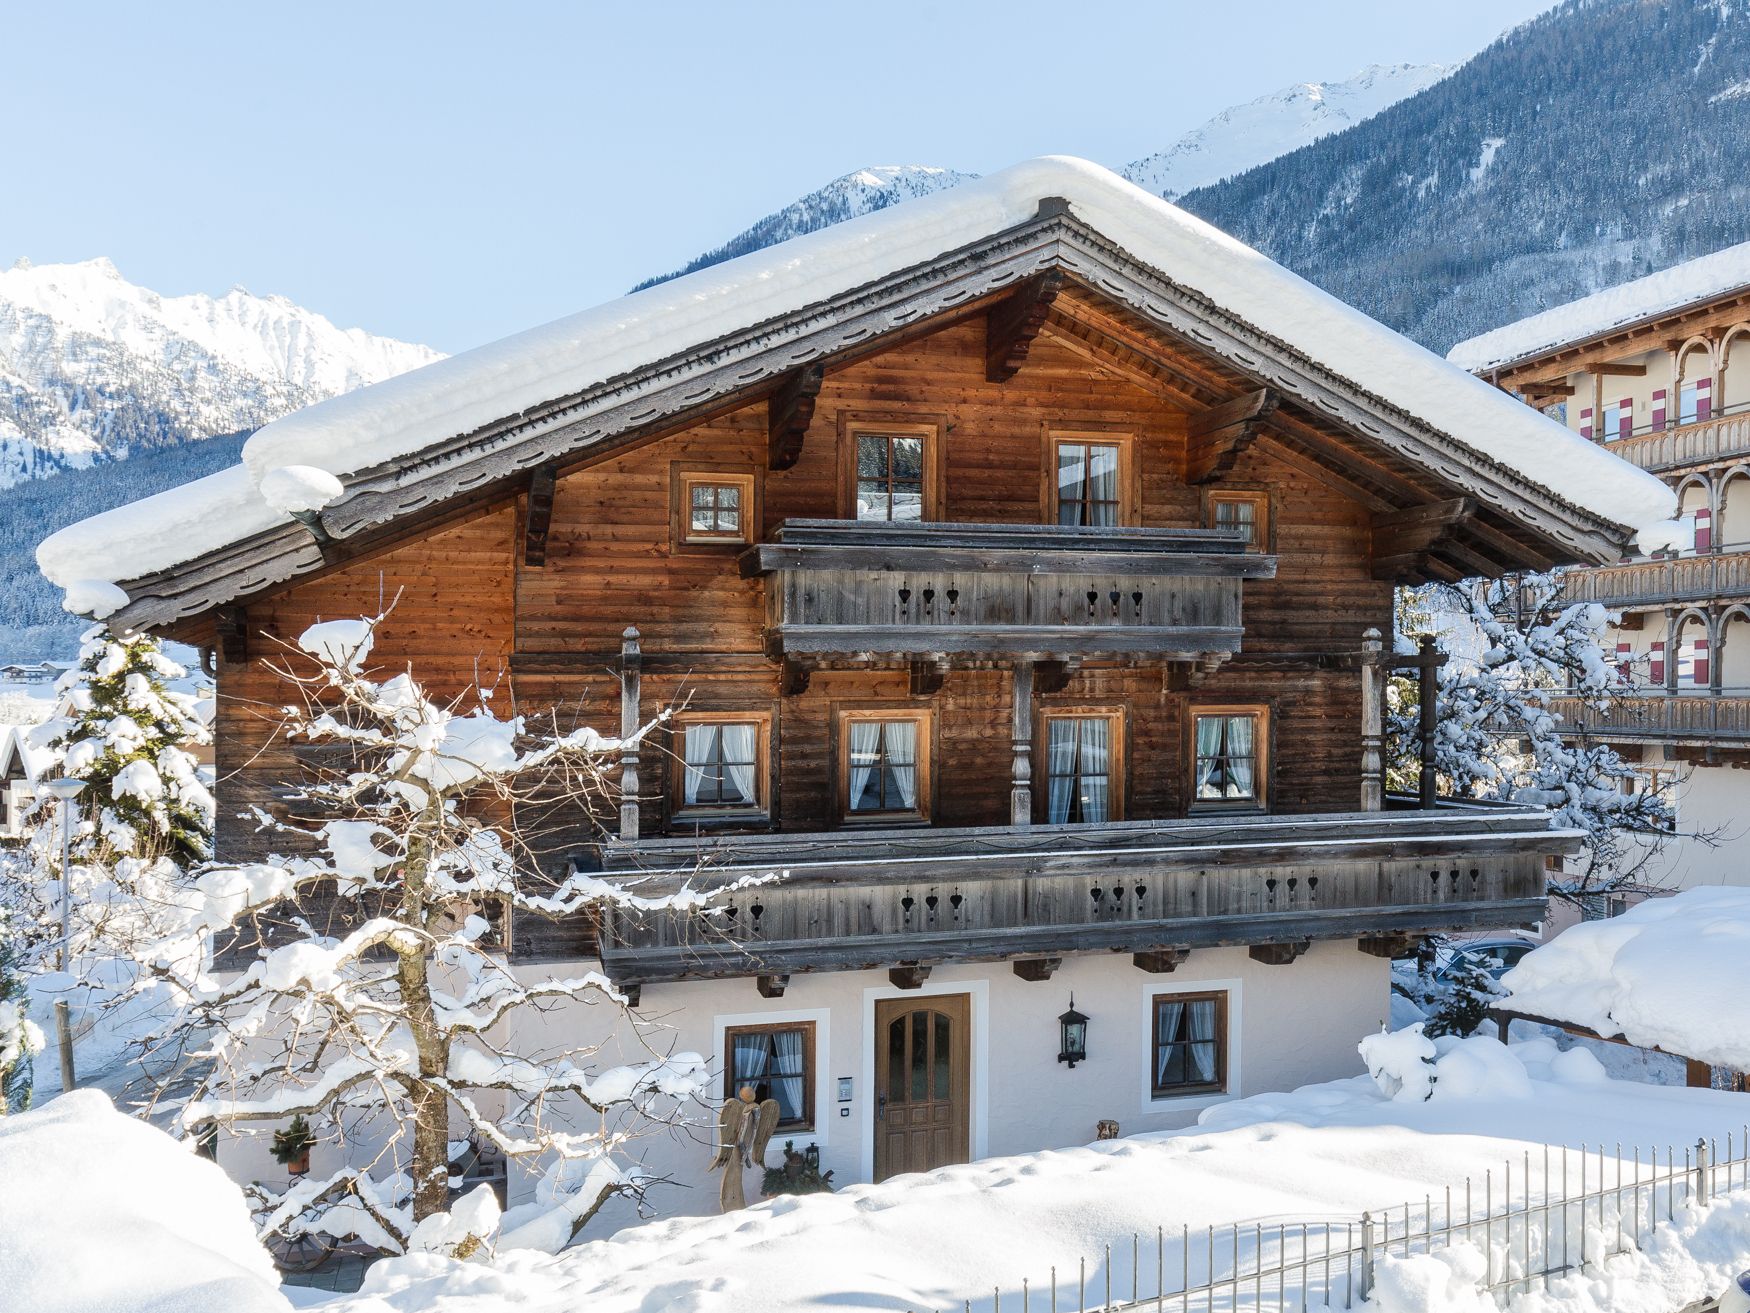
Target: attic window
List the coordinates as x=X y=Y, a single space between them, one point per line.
x=1248 y=511
x=715 y=507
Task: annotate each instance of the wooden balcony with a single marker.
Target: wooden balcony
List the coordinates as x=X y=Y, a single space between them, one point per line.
x=845 y=900
x=1697 y=719
x=1709 y=577
x=1724 y=437
x=861 y=591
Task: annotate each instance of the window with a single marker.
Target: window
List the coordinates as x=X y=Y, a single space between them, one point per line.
x=1089 y=479
x=890 y=476
x=1190 y=1044
x=722 y=766
x=1083 y=772
x=1248 y=511
x=714 y=508
x=1229 y=753
x=884 y=765
x=778 y=1062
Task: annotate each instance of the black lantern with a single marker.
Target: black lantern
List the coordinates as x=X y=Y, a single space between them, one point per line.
x=811 y=1156
x=1075 y=1036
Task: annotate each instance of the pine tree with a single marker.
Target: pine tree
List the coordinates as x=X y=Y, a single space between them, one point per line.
x=20 y=1039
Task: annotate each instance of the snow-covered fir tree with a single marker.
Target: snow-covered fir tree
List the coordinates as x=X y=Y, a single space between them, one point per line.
x=1514 y=645
x=371 y=995
x=20 y=1038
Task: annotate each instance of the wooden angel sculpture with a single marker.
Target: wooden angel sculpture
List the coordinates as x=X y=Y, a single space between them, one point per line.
x=744 y=1129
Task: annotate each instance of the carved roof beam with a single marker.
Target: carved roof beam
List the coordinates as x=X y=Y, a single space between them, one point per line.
x=1012 y=324
x=543 y=480
x=789 y=412
x=1216 y=437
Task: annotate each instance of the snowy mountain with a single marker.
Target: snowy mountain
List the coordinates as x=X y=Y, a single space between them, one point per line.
x=842 y=198
x=1259 y=131
x=95 y=368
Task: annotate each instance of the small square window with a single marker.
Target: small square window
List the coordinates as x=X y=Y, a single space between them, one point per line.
x=776 y=1062
x=722 y=765
x=1188 y=1044
x=715 y=508
x=1229 y=756
x=1248 y=512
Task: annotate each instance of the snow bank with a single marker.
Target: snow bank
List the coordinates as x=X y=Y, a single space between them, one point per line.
x=1656 y=294
x=96 y=598
x=1671 y=973
x=404 y=415
x=297 y=488
x=100 y=1213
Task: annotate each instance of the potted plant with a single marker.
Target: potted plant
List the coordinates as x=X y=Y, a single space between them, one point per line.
x=800 y=1174
x=291 y=1146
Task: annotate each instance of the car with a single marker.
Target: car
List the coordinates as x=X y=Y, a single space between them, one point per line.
x=1494 y=956
x=1737 y=1296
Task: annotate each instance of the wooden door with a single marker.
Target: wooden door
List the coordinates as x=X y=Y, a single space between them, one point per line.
x=923 y=1081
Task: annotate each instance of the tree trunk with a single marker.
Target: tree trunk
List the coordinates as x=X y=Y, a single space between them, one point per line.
x=431 y=1106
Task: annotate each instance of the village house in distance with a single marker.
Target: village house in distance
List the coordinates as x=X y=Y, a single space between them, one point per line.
x=1658 y=371
x=1014 y=552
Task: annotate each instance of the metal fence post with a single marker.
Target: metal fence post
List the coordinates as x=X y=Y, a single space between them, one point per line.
x=1366 y=1254
x=1701 y=1172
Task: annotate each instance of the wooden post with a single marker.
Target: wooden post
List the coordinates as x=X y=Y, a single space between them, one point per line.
x=1372 y=721
x=1428 y=661
x=1021 y=734
x=631 y=675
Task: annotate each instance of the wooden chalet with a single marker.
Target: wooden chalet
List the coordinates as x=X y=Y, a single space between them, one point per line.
x=1019 y=559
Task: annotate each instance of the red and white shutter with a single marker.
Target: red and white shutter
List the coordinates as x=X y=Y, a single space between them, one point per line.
x=1700 y=667
x=1704 y=530
x=1658 y=409
x=1586 y=422
x=1624 y=656
x=1656 y=669
x=1625 y=417
x=1704 y=398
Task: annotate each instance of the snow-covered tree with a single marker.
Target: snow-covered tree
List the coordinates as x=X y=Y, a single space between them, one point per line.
x=368 y=994
x=20 y=1038
x=1514 y=646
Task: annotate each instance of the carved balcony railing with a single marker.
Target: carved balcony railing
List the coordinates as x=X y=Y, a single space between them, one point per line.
x=860 y=591
x=1692 y=718
x=1720 y=438
x=1708 y=577
x=846 y=900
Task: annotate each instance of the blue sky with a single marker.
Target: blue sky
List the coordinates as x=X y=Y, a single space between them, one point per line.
x=449 y=173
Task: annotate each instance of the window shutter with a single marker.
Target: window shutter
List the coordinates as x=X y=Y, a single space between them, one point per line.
x=1704 y=530
x=1704 y=398
x=1656 y=674
x=1625 y=417
x=1701 y=667
x=1658 y=409
x=1623 y=658
x=1586 y=422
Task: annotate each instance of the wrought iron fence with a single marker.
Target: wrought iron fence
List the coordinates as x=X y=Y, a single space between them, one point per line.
x=1555 y=1211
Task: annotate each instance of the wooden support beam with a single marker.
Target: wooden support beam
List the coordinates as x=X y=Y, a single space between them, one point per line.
x=1278 y=955
x=1037 y=968
x=908 y=975
x=1052 y=676
x=1372 y=721
x=1012 y=323
x=1390 y=947
x=1159 y=961
x=1021 y=745
x=1613 y=369
x=1405 y=541
x=543 y=479
x=1216 y=437
x=634 y=994
x=793 y=681
x=1546 y=391
x=772 y=986
x=924 y=678
x=789 y=411
x=631 y=680
x=231 y=625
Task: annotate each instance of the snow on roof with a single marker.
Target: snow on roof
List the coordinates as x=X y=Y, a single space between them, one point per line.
x=1672 y=289
x=1672 y=973
x=392 y=420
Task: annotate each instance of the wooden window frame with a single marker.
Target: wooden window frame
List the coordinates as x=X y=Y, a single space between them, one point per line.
x=1118 y=775
x=679 y=809
x=1129 y=498
x=682 y=478
x=1223 y=1039
x=1264 y=513
x=809 y=1073
x=853 y=423
x=842 y=722
x=1260 y=801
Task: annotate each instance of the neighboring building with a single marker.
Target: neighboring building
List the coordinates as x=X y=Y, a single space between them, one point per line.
x=1658 y=371
x=20 y=772
x=39 y=672
x=1013 y=552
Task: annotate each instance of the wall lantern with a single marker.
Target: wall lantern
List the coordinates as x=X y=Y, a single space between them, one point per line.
x=1075 y=1036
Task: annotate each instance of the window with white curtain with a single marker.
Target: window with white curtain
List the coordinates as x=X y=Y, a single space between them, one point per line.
x=1189 y=1044
x=721 y=765
x=1088 y=485
x=1081 y=755
x=885 y=763
x=1229 y=756
x=777 y=1062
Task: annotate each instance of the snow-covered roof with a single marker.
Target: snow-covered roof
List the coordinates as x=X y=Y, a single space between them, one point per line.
x=389 y=423
x=1671 y=973
x=1682 y=285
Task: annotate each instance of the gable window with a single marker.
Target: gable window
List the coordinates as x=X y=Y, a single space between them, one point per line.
x=1083 y=751
x=1089 y=478
x=714 y=507
x=778 y=1063
x=890 y=476
x=1229 y=746
x=722 y=768
x=1248 y=512
x=884 y=765
x=1189 y=1044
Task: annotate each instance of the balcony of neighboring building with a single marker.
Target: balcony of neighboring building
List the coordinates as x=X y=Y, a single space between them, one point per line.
x=1690 y=717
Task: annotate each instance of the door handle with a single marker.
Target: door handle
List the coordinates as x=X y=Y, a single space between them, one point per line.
x=881 y=1108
